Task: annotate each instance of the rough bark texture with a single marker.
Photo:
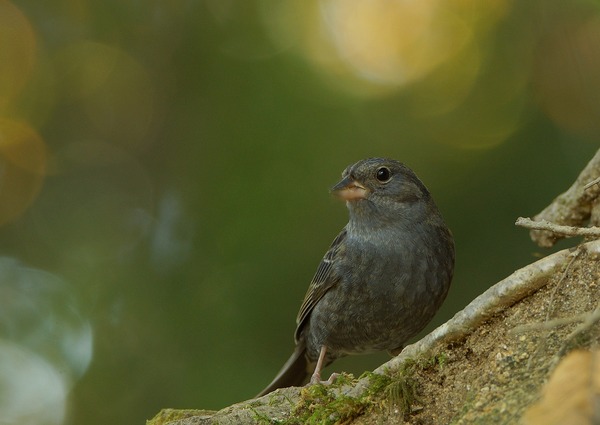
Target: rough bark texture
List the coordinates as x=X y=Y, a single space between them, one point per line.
x=487 y=365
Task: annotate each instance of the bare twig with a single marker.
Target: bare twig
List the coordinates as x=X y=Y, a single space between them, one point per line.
x=587 y=317
x=592 y=183
x=550 y=309
x=565 y=231
x=589 y=320
x=571 y=208
x=574 y=256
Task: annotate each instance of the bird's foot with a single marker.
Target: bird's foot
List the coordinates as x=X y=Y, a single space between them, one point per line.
x=316 y=379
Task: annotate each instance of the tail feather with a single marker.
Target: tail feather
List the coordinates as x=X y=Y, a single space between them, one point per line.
x=293 y=373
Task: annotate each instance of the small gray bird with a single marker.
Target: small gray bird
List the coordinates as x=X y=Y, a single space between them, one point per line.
x=383 y=278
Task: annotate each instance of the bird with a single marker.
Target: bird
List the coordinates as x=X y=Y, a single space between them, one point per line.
x=383 y=278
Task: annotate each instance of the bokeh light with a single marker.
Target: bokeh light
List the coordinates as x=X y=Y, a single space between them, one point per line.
x=23 y=164
x=432 y=52
x=391 y=42
x=567 y=75
x=113 y=89
x=17 y=52
x=45 y=344
x=376 y=47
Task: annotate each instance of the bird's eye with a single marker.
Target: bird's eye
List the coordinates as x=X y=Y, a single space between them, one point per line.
x=383 y=174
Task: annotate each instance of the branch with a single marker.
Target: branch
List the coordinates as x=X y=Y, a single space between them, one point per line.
x=564 y=231
x=573 y=207
x=592 y=183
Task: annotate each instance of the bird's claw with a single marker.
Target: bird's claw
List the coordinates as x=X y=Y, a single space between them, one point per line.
x=316 y=379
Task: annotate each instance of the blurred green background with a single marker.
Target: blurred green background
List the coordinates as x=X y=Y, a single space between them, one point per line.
x=165 y=166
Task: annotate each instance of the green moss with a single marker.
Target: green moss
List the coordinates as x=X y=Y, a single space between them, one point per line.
x=378 y=382
x=320 y=404
x=261 y=418
x=171 y=415
x=437 y=360
x=343 y=379
x=402 y=390
x=327 y=404
x=433 y=361
x=402 y=393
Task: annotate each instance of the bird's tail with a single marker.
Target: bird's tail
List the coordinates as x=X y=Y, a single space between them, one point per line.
x=293 y=373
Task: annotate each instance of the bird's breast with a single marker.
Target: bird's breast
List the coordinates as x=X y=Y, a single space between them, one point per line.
x=386 y=293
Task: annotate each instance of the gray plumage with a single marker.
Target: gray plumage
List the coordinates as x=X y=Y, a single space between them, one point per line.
x=384 y=276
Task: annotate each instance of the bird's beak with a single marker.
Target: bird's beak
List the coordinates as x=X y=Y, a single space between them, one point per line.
x=349 y=189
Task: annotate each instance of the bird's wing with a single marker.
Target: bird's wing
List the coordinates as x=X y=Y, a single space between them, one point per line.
x=323 y=280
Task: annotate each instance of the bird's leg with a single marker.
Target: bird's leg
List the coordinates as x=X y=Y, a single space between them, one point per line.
x=316 y=376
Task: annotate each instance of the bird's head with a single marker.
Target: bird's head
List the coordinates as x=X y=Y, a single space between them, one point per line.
x=381 y=190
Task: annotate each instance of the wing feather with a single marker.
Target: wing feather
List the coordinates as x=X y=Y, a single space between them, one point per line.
x=322 y=281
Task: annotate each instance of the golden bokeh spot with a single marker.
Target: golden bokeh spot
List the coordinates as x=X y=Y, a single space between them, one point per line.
x=17 y=51
x=22 y=168
x=373 y=48
x=389 y=41
x=567 y=76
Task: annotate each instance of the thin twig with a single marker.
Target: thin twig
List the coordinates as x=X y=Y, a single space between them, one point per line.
x=568 y=231
x=573 y=207
x=590 y=319
x=556 y=323
x=550 y=310
x=574 y=256
x=590 y=184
